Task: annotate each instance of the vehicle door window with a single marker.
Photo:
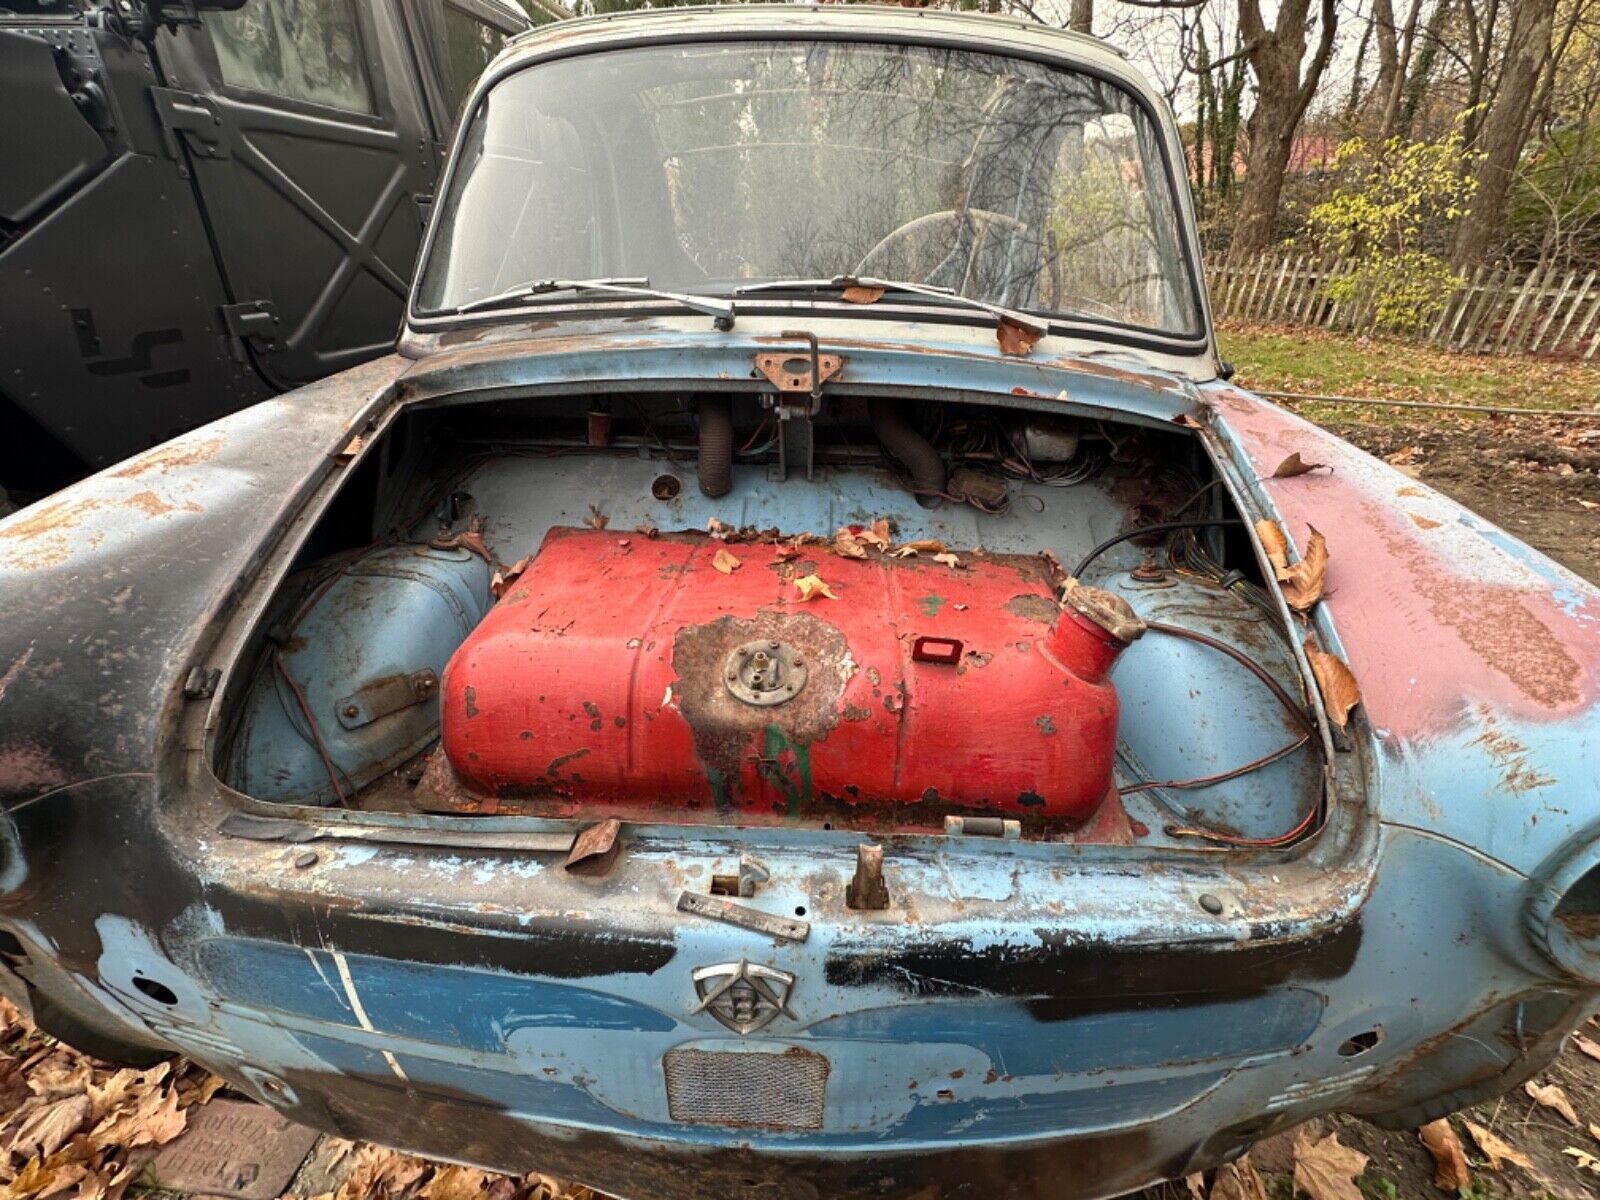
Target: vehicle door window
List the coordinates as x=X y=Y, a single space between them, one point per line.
x=470 y=45
x=307 y=50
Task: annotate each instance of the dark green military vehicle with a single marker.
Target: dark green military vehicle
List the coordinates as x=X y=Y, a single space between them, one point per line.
x=206 y=202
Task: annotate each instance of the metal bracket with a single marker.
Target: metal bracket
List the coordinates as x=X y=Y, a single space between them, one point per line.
x=382 y=697
x=795 y=440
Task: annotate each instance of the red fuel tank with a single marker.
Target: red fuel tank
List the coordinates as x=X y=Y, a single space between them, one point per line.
x=631 y=670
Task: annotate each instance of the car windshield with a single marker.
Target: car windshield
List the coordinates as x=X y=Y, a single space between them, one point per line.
x=704 y=168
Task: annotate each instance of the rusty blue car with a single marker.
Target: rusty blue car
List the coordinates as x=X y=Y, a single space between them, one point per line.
x=800 y=676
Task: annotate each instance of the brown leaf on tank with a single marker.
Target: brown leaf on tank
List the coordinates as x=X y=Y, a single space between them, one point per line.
x=596 y=519
x=1340 y=692
x=1450 y=1170
x=1327 y=1170
x=648 y=530
x=725 y=562
x=811 y=586
x=949 y=560
x=1585 y=1046
x=912 y=549
x=785 y=553
x=1552 y=1097
x=876 y=534
x=846 y=545
x=1015 y=339
x=858 y=294
x=1496 y=1149
x=502 y=579
x=1295 y=465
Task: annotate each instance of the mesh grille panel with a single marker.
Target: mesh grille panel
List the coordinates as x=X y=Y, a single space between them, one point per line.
x=757 y=1091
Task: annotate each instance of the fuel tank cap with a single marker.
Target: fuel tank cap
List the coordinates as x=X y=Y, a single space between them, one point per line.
x=765 y=673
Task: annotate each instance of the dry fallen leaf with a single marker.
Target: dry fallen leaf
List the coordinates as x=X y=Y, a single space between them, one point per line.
x=1449 y=1159
x=1196 y=1184
x=718 y=529
x=1585 y=1046
x=857 y=294
x=877 y=534
x=1014 y=338
x=725 y=562
x=1583 y=1160
x=1594 y=1131
x=785 y=553
x=1295 y=465
x=811 y=585
x=47 y=1129
x=454 y=1183
x=1496 y=1149
x=1553 y=1097
x=1340 y=692
x=846 y=545
x=596 y=519
x=501 y=583
x=649 y=531
x=1327 y=1170
x=949 y=560
x=1301 y=581
x=912 y=549
x=1238 y=1181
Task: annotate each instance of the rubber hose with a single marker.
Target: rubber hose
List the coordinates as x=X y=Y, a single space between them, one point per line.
x=714 y=459
x=910 y=448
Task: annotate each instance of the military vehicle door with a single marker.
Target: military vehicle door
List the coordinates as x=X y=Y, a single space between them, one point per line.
x=311 y=136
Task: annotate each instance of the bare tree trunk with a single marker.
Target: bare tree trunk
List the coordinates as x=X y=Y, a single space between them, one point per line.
x=1421 y=70
x=1082 y=16
x=1505 y=127
x=1391 y=93
x=1283 y=94
x=1388 y=39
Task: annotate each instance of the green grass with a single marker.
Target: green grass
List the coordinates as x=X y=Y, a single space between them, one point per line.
x=1312 y=361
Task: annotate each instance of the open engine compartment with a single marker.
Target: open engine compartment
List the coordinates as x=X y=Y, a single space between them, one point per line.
x=579 y=608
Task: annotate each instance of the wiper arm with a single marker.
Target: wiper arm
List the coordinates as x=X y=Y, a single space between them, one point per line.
x=839 y=282
x=721 y=311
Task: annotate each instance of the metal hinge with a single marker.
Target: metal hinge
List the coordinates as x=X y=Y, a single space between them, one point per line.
x=193 y=115
x=256 y=320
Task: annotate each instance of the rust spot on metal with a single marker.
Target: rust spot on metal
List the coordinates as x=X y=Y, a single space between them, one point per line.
x=471 y=697
x=1031 y=606
x=725 y=727
x=170 y=457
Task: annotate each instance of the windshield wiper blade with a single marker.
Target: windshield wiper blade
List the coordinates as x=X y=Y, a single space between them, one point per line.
x=721 y=311
x=839 y=282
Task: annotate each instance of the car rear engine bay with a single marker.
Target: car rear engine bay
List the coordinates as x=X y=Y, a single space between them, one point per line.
x=1000 y=620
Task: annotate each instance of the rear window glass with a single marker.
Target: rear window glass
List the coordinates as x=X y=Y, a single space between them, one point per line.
x=306 y=50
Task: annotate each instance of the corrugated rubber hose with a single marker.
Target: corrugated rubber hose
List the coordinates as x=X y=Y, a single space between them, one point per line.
x=714 y=462
x=910 y=448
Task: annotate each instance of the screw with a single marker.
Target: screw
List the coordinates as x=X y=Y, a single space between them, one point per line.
x=798 y=661
x=1211 y=904
x=350 y=710
x=772 y=645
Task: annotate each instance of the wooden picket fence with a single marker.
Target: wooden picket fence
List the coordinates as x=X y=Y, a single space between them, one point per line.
x=1494 y=310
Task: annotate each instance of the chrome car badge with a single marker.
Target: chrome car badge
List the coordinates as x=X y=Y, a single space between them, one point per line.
x=744 y=996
